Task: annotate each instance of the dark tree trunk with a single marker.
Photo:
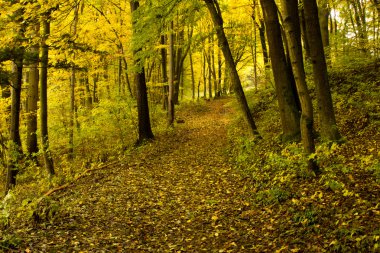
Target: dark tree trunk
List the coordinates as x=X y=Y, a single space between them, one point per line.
x=327 y=122
x=95 y=98
x=263 y=43
x=216 y=15
x=305 y=40
x=145 y=130
x=15 y=149
x=290 y=117
x=178 y=67
x=164 y=74
x=43 y=98
x=171 y=77
x=293 y=32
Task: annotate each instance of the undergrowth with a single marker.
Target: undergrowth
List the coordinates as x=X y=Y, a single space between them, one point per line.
x=340 y=207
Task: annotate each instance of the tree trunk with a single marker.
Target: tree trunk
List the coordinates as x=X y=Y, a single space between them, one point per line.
x=15 y=149
x=293 y=32
x=220 y=65
x=290 y=117
x=145 y=130
x=31 y=136
x=192 y=75
x=263 y=43
x=178 y=67
x=216 y=15
x=327 y=122
x=127 y=77
x=306 y=44
x=324 y=13
x=43 y=97
x=164 y=70
x=72 y=88
x=171 y=77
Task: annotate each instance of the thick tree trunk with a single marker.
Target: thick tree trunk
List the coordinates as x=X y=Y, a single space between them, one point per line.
x=293 y=32
x=145 y=130
x=324 y=13
x=15 y=149
x=306 y=44
x=327 y=122
x=216 y=15
x=31 y=119
x=290 y=117
x=43 y=98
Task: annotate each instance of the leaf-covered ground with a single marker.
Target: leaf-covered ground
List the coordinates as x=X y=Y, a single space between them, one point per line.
x=206 y=187
x=178 y=193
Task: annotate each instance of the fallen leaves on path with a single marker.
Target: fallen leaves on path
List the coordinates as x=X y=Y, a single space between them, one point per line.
x=176 y=194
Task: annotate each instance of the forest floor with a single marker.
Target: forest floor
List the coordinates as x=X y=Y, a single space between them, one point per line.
x=178 y=193
x=207 y=186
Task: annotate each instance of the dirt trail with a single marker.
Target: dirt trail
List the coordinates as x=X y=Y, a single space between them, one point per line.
x=176 y=194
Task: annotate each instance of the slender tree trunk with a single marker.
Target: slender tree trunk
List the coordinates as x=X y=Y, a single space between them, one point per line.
x=263 y=43
x=72 y=88
x=145 y=130
x=171 y=77
x=327 y=122
x=178 y=67
x=192 y=75
x=204 y=76
x=216 y=15
x=95 y=98
x=290 y=117
x=88 y=92
x=293 y=32
x=43 y=98
x=127 y=77
x=220 y=65
x=119 y=75
x=165 y=88
x=15 y=149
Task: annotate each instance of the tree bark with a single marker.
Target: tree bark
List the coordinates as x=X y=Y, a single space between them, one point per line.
x=293 y=34
x=192 y=76
x=289 y=113
x=324 y=13
x=43 y=97
x=15 y=149
x=327 y=122
x=31 y=136
x=216 y=15
x=145 y=130
x=306 y=44
x=171 y=77
x=165 y=90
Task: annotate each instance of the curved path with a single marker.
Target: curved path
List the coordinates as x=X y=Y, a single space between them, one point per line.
x=176 y=194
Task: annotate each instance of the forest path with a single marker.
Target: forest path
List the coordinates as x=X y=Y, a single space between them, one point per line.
x=176 y=194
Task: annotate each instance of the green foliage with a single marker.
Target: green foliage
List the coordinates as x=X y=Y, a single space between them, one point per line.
x=9 y=242
x=334 y=206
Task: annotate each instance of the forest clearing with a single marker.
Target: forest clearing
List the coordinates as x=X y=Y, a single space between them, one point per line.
x=189 y=126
